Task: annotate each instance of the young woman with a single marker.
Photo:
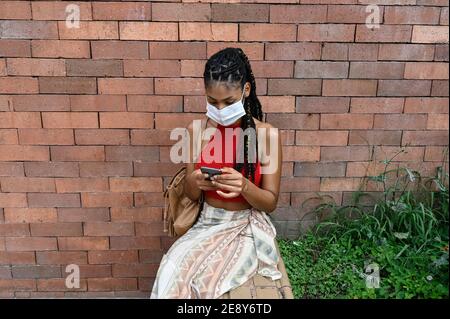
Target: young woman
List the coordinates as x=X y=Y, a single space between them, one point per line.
x=233 y=238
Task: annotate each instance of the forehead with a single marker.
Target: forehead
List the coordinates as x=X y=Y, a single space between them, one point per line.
x=222 y=92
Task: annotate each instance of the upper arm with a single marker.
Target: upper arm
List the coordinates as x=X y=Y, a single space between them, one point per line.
x=271 y=161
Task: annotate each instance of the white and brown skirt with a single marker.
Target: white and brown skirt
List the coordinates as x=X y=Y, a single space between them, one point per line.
x=221 y=251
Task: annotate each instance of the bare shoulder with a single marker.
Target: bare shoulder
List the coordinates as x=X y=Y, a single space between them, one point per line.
x=260 y=124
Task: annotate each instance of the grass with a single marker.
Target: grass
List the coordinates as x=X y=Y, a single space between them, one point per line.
x=402 y=239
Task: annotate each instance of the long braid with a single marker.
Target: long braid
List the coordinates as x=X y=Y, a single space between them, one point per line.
x=231 y=67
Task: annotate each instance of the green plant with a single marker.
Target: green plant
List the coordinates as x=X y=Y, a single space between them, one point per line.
x=405 y=233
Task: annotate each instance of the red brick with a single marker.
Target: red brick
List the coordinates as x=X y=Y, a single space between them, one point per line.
x=125 y=86
x=132 y=153
x=46 y=137
x=155 y=31
x=83 y=214
x=322 y=138
x=377 y=70
x=102 y=136
x=292 y=51
x=363 y=51
x=24 y=153
x=400 y=121
x=437 y=122
x=439 y=88
x=426 y=70
x=20 y=120
x=349 y=14
x=135 y=184
x=89 y=30
x=301 y=153
x=83 y=243
x=98 y=103
x=58 y=284
x=152 y=68
x=335 y=51
x=126 y=120
x=406 y=52
x=429 y=34
x=340 y=184
x=47 y=10
x=41 y=102
x=16 y=10
x=349 y=87
x=61 y=257
x=135 y=270
x=75 y=185
x=17 y=258
x=30 y=215
x=377 y=105
x=20 y=85
x=294 y=86
x=53 y=200
x=177 y=50
x=14 y=230
x=106 y=169
x=425 y=138
x=346 y=121
x=318 y=69
x=113 y=257
x=108 y=229
x=300 y=184
x=411 y=15
x=60 y=49
x=70 y=85
x=345 y=153
x=107 y=199
x=426 y=105
x=189 y=12
x=410 y=154
x=294 y=121
x=17 y=29
x=112 y=49
x=403 y=88
x=27 y=184
x=126 y=243
x=208 y=31
x=99 y=68
x=314 y=104
x=385 y=33
x=143 y=214
x=265 y=32
x=30 y=243
x=51 y=169
x=155 y=103
x=326 y=32
x=121 y=11
x=17 y=285
x=36 y=67
x=297 y=13
x=108 y=284
x=15 y=48
x=77 y=153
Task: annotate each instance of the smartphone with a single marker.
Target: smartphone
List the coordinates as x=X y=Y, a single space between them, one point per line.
x=210 y=171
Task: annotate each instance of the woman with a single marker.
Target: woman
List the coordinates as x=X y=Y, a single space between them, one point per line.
x=233 y=238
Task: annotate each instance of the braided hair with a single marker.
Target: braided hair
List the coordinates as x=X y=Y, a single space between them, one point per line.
x=231 y=67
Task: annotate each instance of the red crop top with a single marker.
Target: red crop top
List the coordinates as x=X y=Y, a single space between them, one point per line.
x=210 y=147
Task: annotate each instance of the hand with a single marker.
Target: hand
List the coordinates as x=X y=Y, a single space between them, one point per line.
x=231 y=180
x=201 y=182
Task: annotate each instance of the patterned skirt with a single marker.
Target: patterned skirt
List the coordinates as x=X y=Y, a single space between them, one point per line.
x=221 y=251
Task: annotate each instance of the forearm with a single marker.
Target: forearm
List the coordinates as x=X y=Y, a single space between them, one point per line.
x=190 y=188
x=259 y=198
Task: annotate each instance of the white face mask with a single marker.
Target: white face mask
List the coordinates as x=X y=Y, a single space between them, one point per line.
x=228 y=115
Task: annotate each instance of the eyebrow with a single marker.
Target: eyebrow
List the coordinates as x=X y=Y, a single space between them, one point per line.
x=223 y=99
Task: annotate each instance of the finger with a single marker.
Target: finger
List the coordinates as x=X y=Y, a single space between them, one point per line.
x=227 y=187
x=227 y=176
x=206 y=188
x=227 y=195
x=233 y=182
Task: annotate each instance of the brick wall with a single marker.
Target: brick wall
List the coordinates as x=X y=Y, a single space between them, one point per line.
x=85 y=114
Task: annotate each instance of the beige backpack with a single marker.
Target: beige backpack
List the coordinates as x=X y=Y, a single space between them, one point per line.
x=180 y=212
